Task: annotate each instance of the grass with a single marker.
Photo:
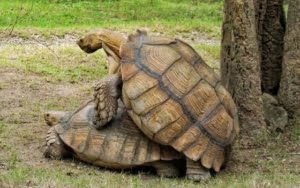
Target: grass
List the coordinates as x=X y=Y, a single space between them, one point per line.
x=67 y=64
x=46 y=74
x=84 y=178
x=210 y=54
x=159 y=15
x=270 y=165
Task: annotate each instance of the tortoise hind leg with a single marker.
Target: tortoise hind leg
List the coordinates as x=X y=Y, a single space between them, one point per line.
x=165 y=169
x=195 y=171
x=55 y=148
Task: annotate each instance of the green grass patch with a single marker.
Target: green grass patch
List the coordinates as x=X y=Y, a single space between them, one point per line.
x=70 y=64
x=3 y=135
x=161 y=15
x=210 y=53
x=1 y=127
x=67 y=64
x=210 y=49
x=70 y=177
x=35 y=176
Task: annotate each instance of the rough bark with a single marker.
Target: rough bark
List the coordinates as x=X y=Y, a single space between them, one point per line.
x=289 y=93
x=260 y=12
x=240 y=62
x=271 y=32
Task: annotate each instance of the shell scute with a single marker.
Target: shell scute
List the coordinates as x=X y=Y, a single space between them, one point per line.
x=127 y=154
x=112 y=147
x=186 y=139
x=201 y=99
x=94 y=146
x=142 y=152
x=137 y=85
x=159 y=118
x=207 y=73
x=76 y=138
x=187 y=52
x=166 y=135
x=180 y=78
x=128 y=70
x=213 y=152
x=196 y=150
x=158 y=58
x=144 y=103
x=219 y=124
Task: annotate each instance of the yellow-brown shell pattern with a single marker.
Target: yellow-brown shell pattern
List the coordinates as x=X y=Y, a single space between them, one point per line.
x=119 y=144
x=176 y=99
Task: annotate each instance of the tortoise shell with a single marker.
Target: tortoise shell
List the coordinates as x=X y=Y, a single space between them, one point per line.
x=176 y=99
x=119 y=144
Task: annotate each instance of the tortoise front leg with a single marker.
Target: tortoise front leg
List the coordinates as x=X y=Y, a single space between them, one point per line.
x=55 y=148
x=107 y=92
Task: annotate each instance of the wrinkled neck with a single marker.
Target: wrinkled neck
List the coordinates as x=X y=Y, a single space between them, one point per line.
x=112 y=39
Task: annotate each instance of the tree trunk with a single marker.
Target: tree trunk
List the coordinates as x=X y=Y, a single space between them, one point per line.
x=240 y=62
x=289 y=92
x=260 y=56
x=272 y=34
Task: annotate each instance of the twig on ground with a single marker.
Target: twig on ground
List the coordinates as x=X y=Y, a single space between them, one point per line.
x=47 y=46
x=18 y=18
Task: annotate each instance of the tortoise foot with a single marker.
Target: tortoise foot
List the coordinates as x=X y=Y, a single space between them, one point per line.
x=196 y=172
x=166 y=169
x=55 y=149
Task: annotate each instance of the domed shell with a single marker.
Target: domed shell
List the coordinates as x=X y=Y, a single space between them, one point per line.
x=119 y=144
x=176 y=99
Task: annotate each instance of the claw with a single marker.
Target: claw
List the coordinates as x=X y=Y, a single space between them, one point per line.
x=51 y=141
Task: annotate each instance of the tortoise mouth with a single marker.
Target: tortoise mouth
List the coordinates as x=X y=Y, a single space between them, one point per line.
x=47 y=119
x=88 y=49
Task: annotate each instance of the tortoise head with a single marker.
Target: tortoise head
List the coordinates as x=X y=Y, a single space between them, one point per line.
x=54 y=117
x=90 y=43
x=94 y=40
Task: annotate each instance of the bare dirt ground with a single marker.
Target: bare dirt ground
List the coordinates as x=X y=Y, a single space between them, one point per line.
x=26 y=95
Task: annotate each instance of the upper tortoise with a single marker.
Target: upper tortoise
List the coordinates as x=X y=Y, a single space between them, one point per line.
x=171 y=94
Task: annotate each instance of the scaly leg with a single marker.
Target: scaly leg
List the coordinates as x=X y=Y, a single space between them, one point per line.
x=55 y=148
x=195 y=171
x=107 y=92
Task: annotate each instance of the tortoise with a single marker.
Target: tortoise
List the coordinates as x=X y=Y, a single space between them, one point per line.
x=171 y=94
x=120 y=145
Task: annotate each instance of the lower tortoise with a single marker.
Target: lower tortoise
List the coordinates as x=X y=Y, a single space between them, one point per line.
x=171 y=94
x=120 y=145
